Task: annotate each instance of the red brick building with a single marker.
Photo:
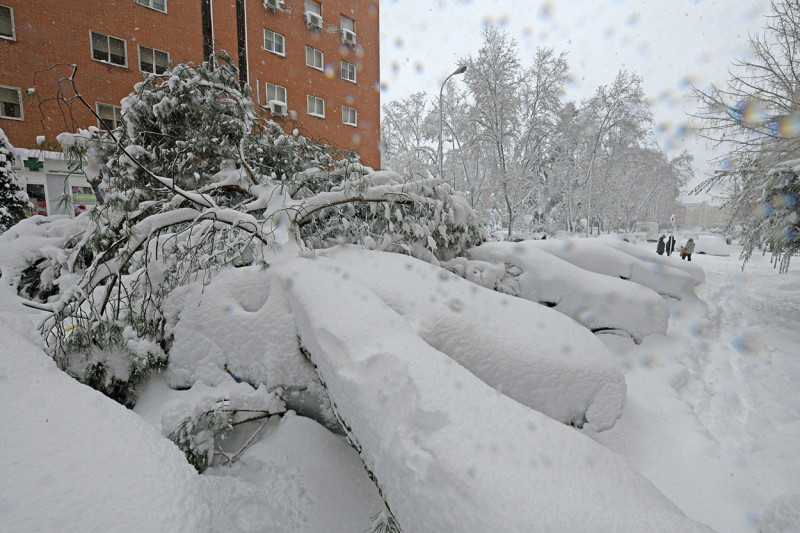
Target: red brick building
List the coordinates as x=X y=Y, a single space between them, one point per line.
x=313 y=62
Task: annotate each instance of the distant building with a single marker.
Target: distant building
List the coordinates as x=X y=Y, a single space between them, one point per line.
x=702 y=215
x=313 y=62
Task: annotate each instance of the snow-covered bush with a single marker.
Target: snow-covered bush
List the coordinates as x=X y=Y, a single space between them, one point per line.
x=14 y=200
x=216 y=414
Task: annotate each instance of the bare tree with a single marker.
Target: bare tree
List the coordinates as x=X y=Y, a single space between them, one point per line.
x=514 y=110
x=407 y=136
x=616 y=117
x=755 y=118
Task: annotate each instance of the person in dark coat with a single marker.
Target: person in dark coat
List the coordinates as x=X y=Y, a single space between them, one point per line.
x=660 y=246
x=670 y=245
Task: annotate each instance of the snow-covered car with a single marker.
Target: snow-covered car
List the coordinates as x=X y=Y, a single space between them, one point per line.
x=707 y=243
x=712 y=244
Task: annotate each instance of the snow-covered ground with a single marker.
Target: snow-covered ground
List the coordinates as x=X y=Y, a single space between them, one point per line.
x=710 y=428
x=713 y=409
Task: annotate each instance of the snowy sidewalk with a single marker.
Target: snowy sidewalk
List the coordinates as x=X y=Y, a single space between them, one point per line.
x=713 y=413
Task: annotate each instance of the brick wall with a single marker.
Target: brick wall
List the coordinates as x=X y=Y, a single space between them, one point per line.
x=48 y=33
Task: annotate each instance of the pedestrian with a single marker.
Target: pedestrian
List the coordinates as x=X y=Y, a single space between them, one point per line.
x=661 y=245
x=670 y=245
x=686 y=251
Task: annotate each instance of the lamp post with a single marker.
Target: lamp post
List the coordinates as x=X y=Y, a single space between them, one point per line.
x=460 y=70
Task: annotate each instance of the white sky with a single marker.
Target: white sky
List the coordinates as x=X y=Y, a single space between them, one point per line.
x=670 y=44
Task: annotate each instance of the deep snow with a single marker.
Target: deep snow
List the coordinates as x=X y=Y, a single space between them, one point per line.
x=712 y=420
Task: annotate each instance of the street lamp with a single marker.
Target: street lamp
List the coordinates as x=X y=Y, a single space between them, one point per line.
x=460 y=70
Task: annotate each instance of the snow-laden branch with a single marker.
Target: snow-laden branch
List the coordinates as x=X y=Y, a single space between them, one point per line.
x=101 y=270
x=383 y=193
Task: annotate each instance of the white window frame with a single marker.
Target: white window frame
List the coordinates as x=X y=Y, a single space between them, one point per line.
x=276 y=89
x=149 y=4
x=347 y=111
x=313 y=101
x=342 y=71
x=316 y=53
x=13 y=36
x=153 y=51
x=282 y=53
x=117 y=111
x=92 y=33
x=19 y=101
x=313 y=6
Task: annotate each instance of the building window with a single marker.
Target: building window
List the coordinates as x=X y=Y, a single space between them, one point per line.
x=275 y=92
x=316 y=106
x=10 y=103
x=152 y=60
x=347 y=23
x=274 y=42
x=7 y=23
x=314 y=58
x=348 y=29
x=158 y=5
x=349 y=116
x=109 y=49
x=348 y=71
x=314 y=7
x=110 y=115
x=313 y=14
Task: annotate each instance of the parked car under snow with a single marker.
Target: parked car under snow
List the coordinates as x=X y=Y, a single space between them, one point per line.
x=707 y=243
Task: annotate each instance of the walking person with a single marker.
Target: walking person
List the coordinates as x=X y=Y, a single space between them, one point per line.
x=686 y=251
x=670 y=245
x=660 y=246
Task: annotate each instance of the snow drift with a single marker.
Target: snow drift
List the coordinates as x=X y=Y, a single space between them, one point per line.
x=449 y=452
x=89 y=464
x=536 y=356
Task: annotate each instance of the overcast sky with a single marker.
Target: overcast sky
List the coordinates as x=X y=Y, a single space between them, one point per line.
x=669 y=43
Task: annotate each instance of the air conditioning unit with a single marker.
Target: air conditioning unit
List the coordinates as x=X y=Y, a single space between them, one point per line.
x=273 y=5
x=313 y=20
x=277 y=108
x=348 y=37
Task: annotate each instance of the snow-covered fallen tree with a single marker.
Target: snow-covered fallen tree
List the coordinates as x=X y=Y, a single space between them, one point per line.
x=591 y=299
x=449 y=452
x=200 y=182
x=596 y=257
x=528 y=352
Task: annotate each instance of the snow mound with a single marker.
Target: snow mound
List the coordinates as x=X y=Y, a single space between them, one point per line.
x=536 y=356
x=596 y=257
x=236 y=323
x=673 y=261
x=712 y=244
x=782 y=515
x=80 y=461
x=449 y=452
x=297 y=477
x=34 y=238
x=594 y=300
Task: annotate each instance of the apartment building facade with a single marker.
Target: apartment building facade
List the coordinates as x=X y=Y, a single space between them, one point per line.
x=310 y=63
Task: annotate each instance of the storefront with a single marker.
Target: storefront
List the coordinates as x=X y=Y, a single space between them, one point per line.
x=54 y=188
